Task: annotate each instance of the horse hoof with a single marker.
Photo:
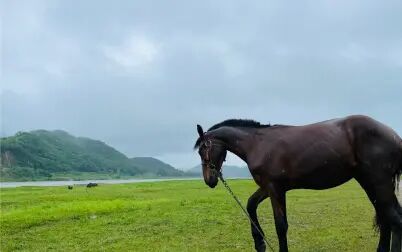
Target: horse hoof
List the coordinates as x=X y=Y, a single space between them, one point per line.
x=261 y=248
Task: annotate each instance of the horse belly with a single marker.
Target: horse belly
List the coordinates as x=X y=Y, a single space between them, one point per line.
x=322 y=171
x=323 y=178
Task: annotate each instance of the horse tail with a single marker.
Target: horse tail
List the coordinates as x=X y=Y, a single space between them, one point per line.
x=397 y=175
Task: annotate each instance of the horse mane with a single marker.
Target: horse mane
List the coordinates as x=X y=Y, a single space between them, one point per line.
x=239 y=123
x=245 y=123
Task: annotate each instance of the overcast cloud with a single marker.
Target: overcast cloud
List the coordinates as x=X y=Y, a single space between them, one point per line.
x=140 y=75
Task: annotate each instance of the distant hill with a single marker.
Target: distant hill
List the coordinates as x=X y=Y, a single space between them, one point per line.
x=43 y=154
x=154 y=166
x=229 y=171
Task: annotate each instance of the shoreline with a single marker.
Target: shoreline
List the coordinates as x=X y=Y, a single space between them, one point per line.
x=47 y=183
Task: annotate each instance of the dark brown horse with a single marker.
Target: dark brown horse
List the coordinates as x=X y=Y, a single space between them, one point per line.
x=316 y=156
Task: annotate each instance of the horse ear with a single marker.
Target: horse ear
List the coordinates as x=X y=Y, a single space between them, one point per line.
x=200 y=130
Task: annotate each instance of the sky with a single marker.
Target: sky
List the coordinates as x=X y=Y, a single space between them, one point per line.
x=139 y=75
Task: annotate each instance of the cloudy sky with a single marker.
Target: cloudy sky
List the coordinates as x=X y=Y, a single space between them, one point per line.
x=139 y=75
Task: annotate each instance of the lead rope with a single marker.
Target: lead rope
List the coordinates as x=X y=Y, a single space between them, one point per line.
x=244 y=210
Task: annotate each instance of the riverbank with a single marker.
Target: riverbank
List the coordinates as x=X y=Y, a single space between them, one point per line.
x=84 y=182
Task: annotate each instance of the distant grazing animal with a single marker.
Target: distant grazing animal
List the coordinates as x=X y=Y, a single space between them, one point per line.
x=315 y=156
x=70 y=187
x=92 y=185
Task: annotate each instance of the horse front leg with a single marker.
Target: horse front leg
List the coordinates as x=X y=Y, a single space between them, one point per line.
x=278 y=201
x=252 y=206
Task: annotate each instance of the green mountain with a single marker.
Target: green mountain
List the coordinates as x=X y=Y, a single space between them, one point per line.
x=154 y=166
x=228 y=171
x=56 y=154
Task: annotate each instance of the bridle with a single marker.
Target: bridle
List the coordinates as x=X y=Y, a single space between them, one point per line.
x=208 y=147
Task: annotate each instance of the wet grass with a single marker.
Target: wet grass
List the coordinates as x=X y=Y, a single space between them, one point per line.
x=177 y=216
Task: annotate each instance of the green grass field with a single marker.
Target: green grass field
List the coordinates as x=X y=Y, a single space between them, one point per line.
x=178 y=216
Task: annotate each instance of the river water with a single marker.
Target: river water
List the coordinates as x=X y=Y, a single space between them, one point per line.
x=84 y=182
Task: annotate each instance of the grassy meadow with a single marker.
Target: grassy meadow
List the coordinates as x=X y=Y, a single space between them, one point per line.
x=178 y=216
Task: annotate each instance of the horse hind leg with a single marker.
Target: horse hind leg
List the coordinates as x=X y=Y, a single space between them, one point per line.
x=390 y=217
x=396 y=244
x=388 y=211
x=389 y=220
x=393 y=219
x=385 y=238
x=396 y=241
x=395 y=211
x=396 y=226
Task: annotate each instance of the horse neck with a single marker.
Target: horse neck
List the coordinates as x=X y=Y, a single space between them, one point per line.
x=236 y=140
